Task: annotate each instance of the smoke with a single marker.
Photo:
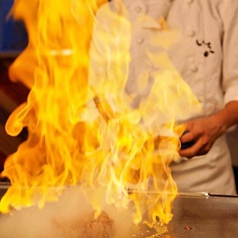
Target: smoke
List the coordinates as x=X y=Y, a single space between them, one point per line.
x=70 y=217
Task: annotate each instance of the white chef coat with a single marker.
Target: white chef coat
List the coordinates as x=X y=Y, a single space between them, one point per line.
x=207 y=58
x=213 y=79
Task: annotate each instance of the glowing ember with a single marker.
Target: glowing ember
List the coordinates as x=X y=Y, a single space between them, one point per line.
x=83 y=129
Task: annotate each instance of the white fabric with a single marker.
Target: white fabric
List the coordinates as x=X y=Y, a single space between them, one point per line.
x=214 y=21
x=205 y=25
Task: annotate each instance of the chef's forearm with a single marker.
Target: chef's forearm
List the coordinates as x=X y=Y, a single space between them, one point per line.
x=232 y=113
x=226 y=117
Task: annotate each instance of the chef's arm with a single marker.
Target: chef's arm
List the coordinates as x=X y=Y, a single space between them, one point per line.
x=229 y=115
x=205 y=131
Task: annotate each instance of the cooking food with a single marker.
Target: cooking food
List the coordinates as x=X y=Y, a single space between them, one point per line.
x=88 y=227
x=101 y=227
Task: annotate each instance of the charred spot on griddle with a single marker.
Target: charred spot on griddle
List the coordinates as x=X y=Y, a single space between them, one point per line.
x=188 y=228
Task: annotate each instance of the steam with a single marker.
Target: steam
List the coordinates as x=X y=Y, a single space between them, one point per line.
x=70 y=217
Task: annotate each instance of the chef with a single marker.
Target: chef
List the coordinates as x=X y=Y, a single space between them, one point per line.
x=206 y=55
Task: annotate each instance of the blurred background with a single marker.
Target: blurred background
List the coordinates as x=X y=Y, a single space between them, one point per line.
x=13 y=39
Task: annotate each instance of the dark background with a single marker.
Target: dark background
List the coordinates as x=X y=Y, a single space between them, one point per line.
x=13 y=39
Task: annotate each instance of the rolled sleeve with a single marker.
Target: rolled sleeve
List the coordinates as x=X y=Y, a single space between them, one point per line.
x=229 y=14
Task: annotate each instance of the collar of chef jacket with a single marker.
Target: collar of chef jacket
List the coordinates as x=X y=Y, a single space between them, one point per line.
x=149 y=12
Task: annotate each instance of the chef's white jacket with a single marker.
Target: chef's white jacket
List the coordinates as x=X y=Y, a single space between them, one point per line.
x=206 y=55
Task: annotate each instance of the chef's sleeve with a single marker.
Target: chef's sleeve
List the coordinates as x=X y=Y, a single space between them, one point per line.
x=229 y=14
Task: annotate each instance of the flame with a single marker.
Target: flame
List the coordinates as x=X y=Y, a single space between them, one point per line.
x=83 y=128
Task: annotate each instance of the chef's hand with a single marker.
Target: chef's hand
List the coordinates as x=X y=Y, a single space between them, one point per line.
x=200 y=136
x=203 y=132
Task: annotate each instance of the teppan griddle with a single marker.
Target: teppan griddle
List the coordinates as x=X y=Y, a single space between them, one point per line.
x=205 y=216
x=196 y=215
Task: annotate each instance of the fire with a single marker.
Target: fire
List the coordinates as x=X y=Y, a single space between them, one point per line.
x=83 y=129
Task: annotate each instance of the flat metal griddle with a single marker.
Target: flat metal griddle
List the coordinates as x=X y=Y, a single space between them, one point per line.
x=195 y=216
x=204 y=217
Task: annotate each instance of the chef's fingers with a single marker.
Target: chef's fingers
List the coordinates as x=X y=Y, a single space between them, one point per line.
x=199 y=147
x=187 y=137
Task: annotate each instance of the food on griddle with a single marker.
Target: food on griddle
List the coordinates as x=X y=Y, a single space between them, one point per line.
x=188 y=228
x=101 y=227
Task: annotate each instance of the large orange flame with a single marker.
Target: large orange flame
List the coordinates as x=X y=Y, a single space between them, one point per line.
x=83 y=129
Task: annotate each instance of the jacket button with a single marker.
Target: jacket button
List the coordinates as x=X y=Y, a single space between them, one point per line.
x=138 y=6
x=193 y=68
x=140 y=41
x=191 y=33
